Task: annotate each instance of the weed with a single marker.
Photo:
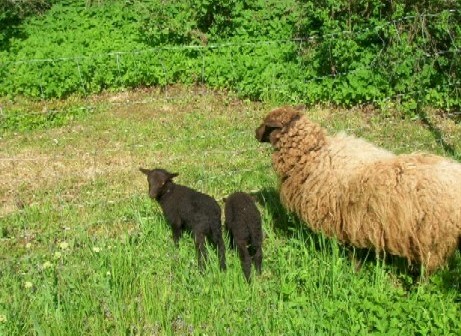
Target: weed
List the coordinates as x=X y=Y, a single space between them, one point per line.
x=88 y=253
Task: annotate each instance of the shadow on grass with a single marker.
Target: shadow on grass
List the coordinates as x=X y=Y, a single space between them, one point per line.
x=449 y=278
x=407 y=276
x=438 y=135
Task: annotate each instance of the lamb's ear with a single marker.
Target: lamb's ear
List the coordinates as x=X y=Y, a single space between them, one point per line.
x=172 y=175
x=254 y=197
x=144 y=171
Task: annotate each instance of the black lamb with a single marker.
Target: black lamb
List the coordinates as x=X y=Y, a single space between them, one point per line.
x=187 y=209
x=243 y=222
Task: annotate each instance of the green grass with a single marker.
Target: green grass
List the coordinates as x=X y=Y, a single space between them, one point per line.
x=83 y=251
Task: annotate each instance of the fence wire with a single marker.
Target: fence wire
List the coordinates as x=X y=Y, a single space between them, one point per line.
x=92 y=158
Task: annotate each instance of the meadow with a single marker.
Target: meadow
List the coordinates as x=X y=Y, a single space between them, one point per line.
x=84 y=251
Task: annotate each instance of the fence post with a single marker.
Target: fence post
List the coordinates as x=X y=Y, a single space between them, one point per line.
x=80 y=75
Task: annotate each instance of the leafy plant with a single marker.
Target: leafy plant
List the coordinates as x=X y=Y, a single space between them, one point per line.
x=365 y=52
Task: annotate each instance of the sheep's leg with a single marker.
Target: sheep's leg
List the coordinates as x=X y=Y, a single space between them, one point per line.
x=200 y=249
x=258 y=259
x=245 y=259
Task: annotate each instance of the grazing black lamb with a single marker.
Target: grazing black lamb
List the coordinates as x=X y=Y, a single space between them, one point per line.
x=243 y=222
x=187 y=209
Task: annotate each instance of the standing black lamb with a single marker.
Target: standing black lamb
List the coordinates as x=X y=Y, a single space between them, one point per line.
x=243 y=222
x=187 y=209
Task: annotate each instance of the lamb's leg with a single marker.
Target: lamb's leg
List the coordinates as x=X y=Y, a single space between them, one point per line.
x=200 y=249
x=176 y=234
x=231 y=240
x=258 y=259
x=221 y=253
x=218 y=242
x=176 y=228
x=245 y=259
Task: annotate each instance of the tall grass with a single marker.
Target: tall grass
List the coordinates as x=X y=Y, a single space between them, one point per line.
x=83 y=251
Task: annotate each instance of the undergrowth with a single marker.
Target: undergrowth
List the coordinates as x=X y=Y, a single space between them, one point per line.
x=372 y=52
x=83 y=250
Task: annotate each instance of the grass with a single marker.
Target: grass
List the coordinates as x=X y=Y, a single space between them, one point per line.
x=85 y=252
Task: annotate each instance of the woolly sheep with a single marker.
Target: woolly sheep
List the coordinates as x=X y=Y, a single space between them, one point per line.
x=406 y=205
x=187 y=209
x=243 y=223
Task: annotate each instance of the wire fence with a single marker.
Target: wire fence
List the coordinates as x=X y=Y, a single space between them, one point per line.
x=238 y=44
x=278 y=83
x=14 y=166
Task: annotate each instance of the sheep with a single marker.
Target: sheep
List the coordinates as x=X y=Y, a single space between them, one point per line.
x=188 y=209
x=243 y=223
x=407 y=205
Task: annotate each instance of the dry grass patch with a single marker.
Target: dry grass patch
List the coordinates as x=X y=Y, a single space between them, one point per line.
x=210 y=133
x=132 y=129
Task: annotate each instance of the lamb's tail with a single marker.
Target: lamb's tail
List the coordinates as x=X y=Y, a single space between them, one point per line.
x=255 y=235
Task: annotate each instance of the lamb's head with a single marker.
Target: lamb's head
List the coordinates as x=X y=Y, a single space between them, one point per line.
x=157 y=179
x=274 y=122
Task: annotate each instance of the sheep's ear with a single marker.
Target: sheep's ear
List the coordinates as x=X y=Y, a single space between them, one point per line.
x=144 y=171
x=299 y=107
x=264 y=131
x=273 y=124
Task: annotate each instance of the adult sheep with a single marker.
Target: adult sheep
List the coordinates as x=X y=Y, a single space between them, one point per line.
x=405 y=205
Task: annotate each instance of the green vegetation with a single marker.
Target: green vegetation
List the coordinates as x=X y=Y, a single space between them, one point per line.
x=329 y=51
x=83 y=251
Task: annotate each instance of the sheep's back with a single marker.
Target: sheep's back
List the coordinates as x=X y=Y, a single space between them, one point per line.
x=348 y=188
x=407 y=206
x=311 y=189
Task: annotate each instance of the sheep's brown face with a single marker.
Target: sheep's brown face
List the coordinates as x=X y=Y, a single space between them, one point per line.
x=266 y=133
x=157 y=179
x=274 y=122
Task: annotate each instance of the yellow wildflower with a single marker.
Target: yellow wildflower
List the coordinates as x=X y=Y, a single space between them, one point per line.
x=46 y=265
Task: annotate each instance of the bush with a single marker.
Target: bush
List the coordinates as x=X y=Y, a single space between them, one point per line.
x=400 y=49
x=346 y=53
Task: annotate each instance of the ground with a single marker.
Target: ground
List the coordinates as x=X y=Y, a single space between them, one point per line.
x=83 y=247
